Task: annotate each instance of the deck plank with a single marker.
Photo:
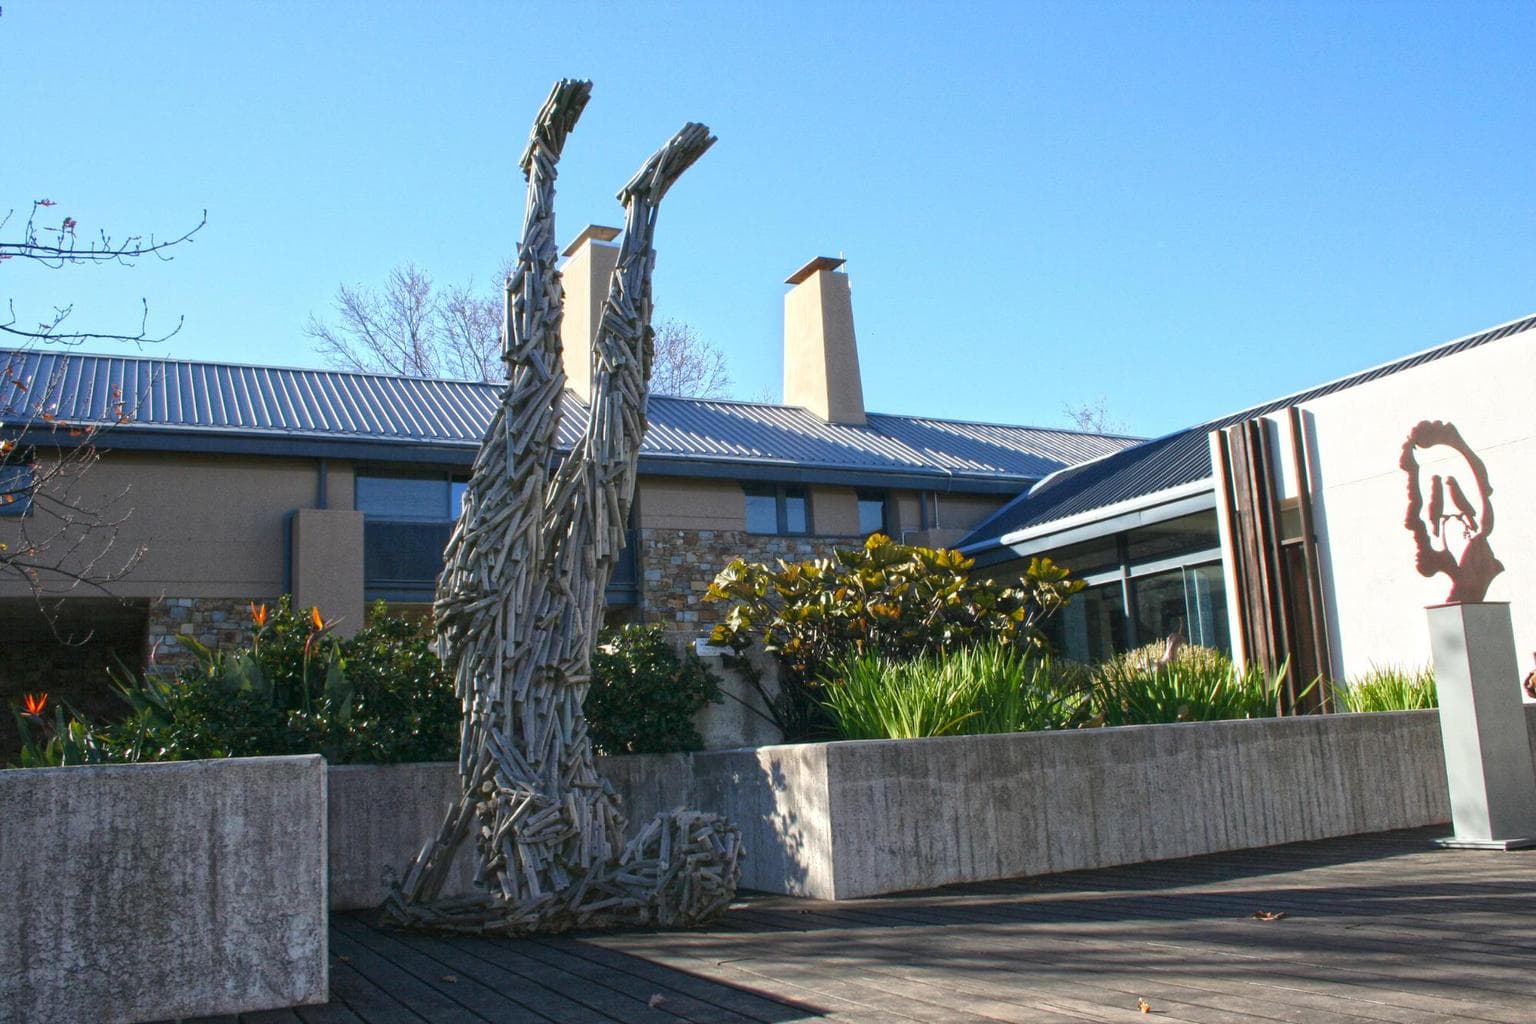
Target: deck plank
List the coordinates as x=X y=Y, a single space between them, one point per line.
x=1381 y=929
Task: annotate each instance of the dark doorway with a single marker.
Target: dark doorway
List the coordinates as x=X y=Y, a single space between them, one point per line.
x=66 y=651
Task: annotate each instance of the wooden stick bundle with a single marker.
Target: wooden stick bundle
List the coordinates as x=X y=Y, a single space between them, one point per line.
x=522 y=596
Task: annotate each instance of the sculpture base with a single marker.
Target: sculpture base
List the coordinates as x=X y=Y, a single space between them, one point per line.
x=1452 y=843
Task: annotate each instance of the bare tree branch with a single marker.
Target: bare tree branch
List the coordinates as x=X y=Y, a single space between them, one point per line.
x=56 y=533
x=687 y=364
x=1093 y=417
x=413 y=328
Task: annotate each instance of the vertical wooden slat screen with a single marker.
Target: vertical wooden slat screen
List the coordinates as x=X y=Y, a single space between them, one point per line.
x=1267 y=592
x=1318 y=633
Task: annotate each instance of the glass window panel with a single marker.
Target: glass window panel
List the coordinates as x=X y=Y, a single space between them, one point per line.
x=1191 y=601
x=1089 y=556
x=762 y=510
x=1158 y=604
x=1205 y=591
x=1187 y=533
x=871 y=513
x=797 y=510
x=1092 y=628
x=395 y=497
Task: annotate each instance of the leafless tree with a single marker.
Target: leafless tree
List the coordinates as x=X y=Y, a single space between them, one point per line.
x=414 y=328
x=59 y=245
x=687 y=364
x=56 y=534
x=1093 y=417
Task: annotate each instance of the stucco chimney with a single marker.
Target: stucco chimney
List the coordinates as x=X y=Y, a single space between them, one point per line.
x=589 y=262
x=821 y=357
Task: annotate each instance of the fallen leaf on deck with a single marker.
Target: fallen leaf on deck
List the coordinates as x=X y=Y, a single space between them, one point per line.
x=449 y=978
x=1143 y=1006
x=1268 y=915
x=656 y=1000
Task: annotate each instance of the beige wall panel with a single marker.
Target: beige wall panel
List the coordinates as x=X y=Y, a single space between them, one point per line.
x=211 y=526
x=835 y=511
x=964 y=511
x=328 y=565
x=672 y=503
x=906 y=514
x=341 y=488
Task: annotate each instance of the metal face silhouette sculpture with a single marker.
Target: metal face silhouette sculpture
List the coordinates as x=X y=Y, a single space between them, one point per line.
x=1449 y=513
x=521 y=599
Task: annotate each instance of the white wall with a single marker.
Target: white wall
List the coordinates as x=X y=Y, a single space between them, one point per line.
x=1375 y=594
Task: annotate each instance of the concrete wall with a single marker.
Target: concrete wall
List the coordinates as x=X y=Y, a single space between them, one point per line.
x=1376 y=597
x=844 y=820
x=380 y=815
x=146 y=892
x=910 y=815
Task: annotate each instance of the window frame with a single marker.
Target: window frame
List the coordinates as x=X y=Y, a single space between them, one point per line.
x=884 y=498
x=781 y=494
x=449 y=480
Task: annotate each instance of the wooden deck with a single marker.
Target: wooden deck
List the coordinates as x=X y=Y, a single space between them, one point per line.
x=1378 y=929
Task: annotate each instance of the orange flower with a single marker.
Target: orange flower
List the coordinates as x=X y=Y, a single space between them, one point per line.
x=314 y=617
x=33 y=704
x=258 y=614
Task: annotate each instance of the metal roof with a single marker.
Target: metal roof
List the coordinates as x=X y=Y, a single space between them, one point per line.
x=1182 y=457
x=166 y=403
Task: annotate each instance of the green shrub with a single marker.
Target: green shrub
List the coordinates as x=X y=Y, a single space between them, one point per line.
x=1198 y=685
x=883 y=599
x=991 y=688
x=1389 y=688
x=378 y=697
x=644 y=695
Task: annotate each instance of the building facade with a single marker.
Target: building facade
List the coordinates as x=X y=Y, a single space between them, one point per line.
x=216 y=486
x=1314 y=528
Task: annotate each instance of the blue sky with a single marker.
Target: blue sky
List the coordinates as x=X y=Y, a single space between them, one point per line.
x=1184 y=208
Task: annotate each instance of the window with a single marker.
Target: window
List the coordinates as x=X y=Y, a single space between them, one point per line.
x=872 y=513
x=16 y=484
x=1092 y=627
x=777 y=509
x=1144 y=585
x=1172 y=537
x=423 y=499
x=407 y=521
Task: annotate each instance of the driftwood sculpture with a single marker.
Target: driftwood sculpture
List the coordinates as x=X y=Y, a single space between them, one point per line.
x=522 y=596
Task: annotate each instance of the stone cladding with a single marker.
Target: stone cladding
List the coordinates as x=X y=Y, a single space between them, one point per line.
x=218 y=622
x=677 y=567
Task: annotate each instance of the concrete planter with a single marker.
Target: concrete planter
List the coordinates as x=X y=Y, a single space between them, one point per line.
x=147 y=892
x=843 y=820
x=380 y=815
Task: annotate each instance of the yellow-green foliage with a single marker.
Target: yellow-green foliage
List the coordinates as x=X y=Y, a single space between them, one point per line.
x=986 y=689
x=884 y=599
x=1198 y=685
x=1389 y=688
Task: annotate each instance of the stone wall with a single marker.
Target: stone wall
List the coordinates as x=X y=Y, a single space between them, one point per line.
x=217 y=622
x=678 y=565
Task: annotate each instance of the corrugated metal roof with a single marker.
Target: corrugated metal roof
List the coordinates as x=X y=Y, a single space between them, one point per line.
x=180 y=397
x=1178 y=458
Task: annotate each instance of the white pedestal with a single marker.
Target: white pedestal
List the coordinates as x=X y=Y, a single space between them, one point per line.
x=1482 y=727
